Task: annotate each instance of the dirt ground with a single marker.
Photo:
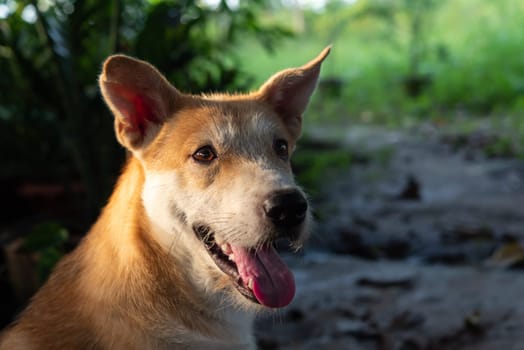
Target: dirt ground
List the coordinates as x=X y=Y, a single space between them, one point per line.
x=417 y=247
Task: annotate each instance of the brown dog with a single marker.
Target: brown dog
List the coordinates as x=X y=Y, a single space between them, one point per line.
x=182 y=257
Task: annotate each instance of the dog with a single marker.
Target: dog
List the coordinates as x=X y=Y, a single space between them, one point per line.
x=182 y=256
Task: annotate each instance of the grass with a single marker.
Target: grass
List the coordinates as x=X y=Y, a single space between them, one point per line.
x=313 y=166
x=473 y=55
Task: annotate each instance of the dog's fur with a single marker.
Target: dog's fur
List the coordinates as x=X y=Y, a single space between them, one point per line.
x=141 y=278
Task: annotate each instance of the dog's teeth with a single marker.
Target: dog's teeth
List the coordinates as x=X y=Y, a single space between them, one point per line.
x=226 y=248
x=250 y=283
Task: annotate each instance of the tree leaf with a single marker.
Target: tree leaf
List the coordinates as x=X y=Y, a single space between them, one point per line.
x=45 y=235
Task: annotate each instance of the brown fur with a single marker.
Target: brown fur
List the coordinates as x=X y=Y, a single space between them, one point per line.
x=122 y=288
x=99 y=289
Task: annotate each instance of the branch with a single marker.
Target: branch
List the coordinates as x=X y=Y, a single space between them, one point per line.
x=43 y=32
x=114 y=33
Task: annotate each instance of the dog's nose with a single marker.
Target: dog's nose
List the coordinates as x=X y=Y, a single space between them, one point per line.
x=286 y=208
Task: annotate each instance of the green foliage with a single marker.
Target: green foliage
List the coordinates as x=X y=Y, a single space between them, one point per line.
x=501 y=147
x=313 y=162
x=45 y=235
x=47 y=240
x=460 y=55
x=487 y=74
x=199 y=56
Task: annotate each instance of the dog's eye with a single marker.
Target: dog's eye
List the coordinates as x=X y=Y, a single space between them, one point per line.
x=281 y=148
x=205 y=154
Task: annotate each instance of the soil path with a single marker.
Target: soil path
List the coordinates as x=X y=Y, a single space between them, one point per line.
x=418 y=247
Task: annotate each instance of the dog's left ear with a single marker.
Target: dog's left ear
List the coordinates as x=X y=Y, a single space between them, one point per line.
x=288 y=91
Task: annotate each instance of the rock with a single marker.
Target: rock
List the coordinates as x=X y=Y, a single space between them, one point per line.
x=411 y=190
x=383 y=281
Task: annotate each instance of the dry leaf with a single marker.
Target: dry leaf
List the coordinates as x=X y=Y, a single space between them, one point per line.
x=508 y=255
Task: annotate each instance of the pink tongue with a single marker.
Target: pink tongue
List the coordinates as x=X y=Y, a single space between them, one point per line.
x=273 y=282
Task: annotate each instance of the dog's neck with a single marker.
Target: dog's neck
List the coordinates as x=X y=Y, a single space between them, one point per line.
x=152 y=280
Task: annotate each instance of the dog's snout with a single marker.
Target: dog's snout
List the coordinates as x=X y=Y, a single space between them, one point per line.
x=286 y=208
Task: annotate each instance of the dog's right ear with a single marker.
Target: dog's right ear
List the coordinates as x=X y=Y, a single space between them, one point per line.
x=140 y=98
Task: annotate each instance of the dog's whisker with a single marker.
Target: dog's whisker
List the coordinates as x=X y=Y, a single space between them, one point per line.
x=223 y=216
x=219 y=222
x=278 y=317
x=235 y=234
x=174 y=241
x=227 y=303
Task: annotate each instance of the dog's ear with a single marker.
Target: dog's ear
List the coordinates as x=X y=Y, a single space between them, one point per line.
x=288 y=91
x=140 y=98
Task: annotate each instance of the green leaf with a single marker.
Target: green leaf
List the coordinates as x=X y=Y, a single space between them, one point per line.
x=45 y=235
x=47 y=261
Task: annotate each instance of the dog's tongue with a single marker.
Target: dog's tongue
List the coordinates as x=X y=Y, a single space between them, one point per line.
x=273 y=282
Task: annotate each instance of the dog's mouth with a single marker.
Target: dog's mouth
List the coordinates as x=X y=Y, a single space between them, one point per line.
x=259 y=274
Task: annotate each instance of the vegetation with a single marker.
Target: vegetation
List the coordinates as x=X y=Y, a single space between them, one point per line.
x=310 y=163
x=47 y=240
x=411 y=58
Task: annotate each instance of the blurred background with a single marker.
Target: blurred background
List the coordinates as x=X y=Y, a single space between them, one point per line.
x=411 y=153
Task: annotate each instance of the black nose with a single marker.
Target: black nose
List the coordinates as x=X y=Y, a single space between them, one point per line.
x=286 y=208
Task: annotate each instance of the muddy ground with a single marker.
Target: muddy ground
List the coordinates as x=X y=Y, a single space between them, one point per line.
x=417 y=246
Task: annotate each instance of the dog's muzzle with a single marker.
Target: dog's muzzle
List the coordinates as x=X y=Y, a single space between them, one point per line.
x=258 y=272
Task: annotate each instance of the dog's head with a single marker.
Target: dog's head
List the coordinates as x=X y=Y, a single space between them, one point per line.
x=218 y=183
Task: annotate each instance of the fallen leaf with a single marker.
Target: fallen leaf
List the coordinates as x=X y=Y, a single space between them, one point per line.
x=508 y=255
